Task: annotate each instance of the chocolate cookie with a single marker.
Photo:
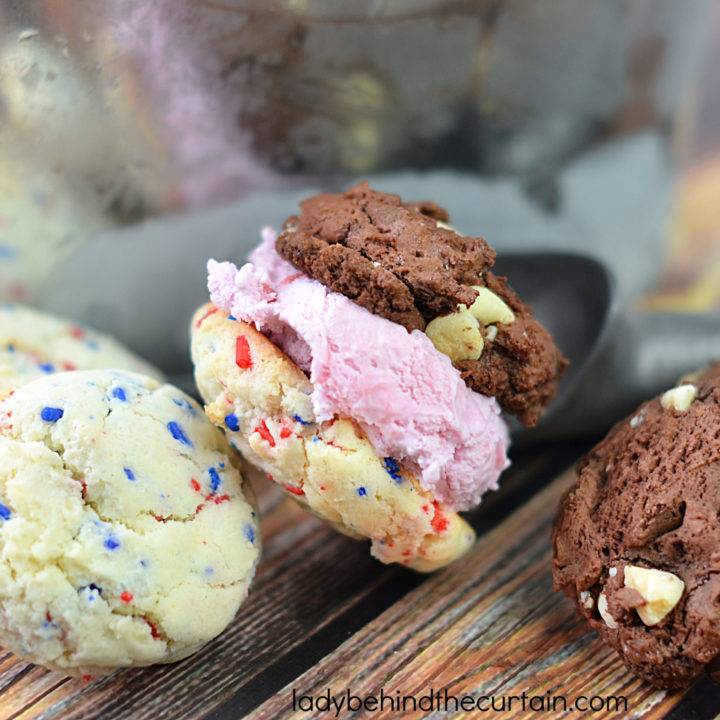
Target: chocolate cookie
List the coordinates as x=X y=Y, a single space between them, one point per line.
x=637 y=539
x=399 y=261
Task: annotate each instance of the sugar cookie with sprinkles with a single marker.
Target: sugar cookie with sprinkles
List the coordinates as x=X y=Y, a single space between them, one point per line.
x=34 y=343
x=262 y=400
x=127 y=536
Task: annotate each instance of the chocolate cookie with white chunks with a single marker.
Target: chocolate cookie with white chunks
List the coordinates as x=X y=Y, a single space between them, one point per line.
x=401 y=261
x=637 y=539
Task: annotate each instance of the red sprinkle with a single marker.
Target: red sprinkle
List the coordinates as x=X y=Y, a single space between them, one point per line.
x=221 y=499
x=69 y=366
x=291 y=278
x=285 y=432
x=264 y=433
x=83 y=484
x=48 y=617
x=77 y=332
x=322 y=487
x=426 y=508
x=243 y=358
x=194 y=484
x=157 y=517
x=153 y=630
x=439 y=522
x=205 y=316
x=406 y=553
x=126 y=596
x=294 y=490
x=86 y=678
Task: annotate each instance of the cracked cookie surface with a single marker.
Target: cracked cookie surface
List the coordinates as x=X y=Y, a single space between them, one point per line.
x=34 y=344
x=637 y=539
x=262 y=400
x=126 y=534
x=395 y=260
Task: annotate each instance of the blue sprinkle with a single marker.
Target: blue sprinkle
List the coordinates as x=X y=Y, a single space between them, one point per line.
x=221 y=466
x=250 y=533
x=92 y=587
x=119 y=393
x=392 y=468
x=297 y=418
x=112 y=543
x=232 y=422
x=51 y=414
x=47 y=624
x=361 y=491
x=92 y=344
x=47 y=367
x=252 y=513
x=143 y=563
x=7 y=252
x=231 y=317
x=181 y=402
x=10 y=348
x=5 y=512
x=316 y=439
x=209 y=571
x=177 y=432
x=129 y=473
x=214 y=480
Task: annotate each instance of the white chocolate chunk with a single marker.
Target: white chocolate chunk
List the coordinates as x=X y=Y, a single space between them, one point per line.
x=457 y=335
x=491 y=332
x=488 y=308
x=661 y=591
x=680 y=397
x=605 y=612
x=445 y=226
x=586 y=600
x=637 y=420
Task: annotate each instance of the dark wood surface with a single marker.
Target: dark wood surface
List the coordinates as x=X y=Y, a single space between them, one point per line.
x=490 y=625
x=314 y=589
x=323 y=614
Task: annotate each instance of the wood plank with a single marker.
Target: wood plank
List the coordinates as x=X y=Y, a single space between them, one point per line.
x=488 y=625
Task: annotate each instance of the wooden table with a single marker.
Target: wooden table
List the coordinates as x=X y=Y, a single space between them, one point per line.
x=324 y=615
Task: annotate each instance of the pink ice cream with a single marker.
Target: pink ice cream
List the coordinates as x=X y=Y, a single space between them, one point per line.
x=406 y=396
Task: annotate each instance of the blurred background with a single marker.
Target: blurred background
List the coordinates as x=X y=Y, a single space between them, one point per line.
x=589 y=126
